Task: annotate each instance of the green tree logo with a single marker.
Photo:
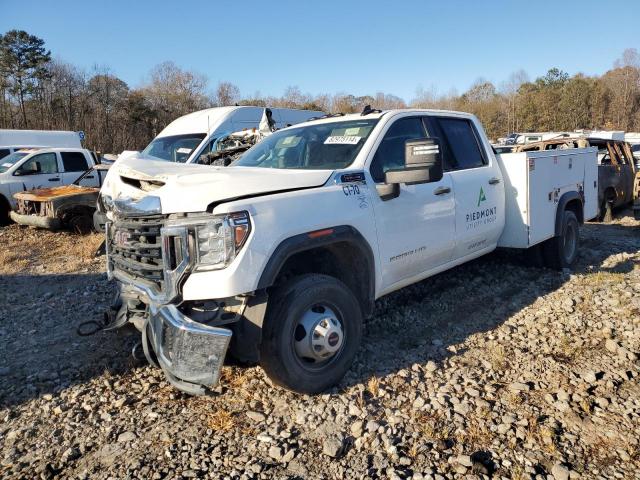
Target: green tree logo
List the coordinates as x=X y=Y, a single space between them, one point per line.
x=482 y=197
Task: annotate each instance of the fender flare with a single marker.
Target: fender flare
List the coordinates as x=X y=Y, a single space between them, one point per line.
x=562 y=205
x=320 y=238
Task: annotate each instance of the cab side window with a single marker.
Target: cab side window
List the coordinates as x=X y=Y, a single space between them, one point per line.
x=42 y=163
x=462 y=148
x=74 y=162
x=390 y=153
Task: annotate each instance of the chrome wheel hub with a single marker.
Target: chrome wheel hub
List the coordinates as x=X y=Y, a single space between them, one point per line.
x=318 y=335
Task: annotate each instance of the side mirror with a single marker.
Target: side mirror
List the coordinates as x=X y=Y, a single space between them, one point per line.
x=422 y=164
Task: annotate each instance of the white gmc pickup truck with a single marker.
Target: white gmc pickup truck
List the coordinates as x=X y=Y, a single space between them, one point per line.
x=279 y=257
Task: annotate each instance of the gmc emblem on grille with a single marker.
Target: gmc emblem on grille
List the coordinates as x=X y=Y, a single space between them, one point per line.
x=120 y=238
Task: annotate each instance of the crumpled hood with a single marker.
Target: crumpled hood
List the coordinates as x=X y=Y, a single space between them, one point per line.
x=186 y=188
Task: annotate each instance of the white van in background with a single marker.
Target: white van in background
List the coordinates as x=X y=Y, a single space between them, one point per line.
x=189 y=137
x=12 y=140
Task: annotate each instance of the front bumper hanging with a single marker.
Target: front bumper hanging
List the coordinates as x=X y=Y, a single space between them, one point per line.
x=190 y=354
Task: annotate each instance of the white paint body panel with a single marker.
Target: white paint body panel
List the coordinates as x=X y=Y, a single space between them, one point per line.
x=16 y=139
x=535 y=181
x=434 y=227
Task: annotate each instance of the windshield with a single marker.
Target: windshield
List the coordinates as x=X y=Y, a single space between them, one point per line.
x=10 y=160
x=326 y=146
x=176 y=148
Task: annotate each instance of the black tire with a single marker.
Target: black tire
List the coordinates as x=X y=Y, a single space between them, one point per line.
x=82 y=224
x=561 y=251
x=5 y=208
x=606 y=208
x=287 y=306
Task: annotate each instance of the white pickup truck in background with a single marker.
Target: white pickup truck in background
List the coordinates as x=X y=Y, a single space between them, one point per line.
x=33 y=168
x=12 y=140
x=281 y=255
x=190 y=138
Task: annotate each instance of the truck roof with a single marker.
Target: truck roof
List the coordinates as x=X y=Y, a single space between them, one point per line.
x=376 y=115
x=52 y=149
x=204 y=121
x=39 y=138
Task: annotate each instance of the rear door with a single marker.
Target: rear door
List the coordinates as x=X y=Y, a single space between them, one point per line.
x=74 y=164
x=477 y=182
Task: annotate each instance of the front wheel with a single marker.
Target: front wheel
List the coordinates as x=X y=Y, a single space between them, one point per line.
x=311 y=333
x=561 y=251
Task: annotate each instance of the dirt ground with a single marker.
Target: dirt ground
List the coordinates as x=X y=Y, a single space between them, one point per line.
x=491 y=370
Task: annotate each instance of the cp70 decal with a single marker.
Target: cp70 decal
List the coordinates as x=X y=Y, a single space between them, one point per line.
x=351 y=189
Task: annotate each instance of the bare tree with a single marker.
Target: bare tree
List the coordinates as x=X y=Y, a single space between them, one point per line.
x=227 y=94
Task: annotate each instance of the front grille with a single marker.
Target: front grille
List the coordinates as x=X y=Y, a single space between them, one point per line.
x=135 y=247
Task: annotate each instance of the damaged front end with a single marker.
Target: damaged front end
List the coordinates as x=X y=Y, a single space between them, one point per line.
x=151 y=259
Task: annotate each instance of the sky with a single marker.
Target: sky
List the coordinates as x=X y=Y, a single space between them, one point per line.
x=360 y=47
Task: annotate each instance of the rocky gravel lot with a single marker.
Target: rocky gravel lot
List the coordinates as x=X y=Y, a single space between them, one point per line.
x=492 y=370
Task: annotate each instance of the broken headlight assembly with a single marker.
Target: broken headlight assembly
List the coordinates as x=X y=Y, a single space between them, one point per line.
x=105 y=203
x=219 y=238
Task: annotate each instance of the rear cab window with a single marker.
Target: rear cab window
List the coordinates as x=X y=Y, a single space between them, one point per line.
x=460 y=143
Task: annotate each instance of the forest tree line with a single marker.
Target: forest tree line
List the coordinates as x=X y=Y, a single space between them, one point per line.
x=39 y=91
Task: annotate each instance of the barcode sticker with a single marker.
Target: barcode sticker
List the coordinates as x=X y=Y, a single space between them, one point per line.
x=342 y=140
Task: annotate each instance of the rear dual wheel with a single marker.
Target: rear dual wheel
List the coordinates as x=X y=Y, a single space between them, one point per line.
x=562 y=251
x=311 y=333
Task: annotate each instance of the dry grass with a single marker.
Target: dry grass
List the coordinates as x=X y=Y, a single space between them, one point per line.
x=433 y=426
x=603 y=277
x=476 y=433
x=25 y=250
x=602 y=452
x=498 y=357
x=221 y=420
x=415 y=449
x=373 y=386
x=568 y=351
x=518 y=473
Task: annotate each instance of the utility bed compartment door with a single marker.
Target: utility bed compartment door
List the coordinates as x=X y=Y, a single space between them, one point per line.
x=535 y=182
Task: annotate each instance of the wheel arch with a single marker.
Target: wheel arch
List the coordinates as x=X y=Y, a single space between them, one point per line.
x=339 y=251
x=572 y=201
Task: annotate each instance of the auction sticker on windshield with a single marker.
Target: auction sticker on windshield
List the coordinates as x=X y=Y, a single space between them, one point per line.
x=342 y=140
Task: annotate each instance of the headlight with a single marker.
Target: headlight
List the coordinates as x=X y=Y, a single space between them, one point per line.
x=219 y=239
x=105 y=203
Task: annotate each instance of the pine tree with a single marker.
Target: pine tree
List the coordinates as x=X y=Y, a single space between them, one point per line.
x=23 y=63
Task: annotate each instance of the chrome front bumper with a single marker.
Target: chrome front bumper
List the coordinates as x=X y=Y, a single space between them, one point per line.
x=190 y=354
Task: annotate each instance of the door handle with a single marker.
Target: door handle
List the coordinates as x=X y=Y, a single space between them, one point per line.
x=89 y=176
x=441 y=190
x=494 y=181
x=56 y=179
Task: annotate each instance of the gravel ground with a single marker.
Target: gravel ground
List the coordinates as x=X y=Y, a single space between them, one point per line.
x=489 y=370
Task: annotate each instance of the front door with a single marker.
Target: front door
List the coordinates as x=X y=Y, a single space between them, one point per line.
x=416 y=229
x=40 y=171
